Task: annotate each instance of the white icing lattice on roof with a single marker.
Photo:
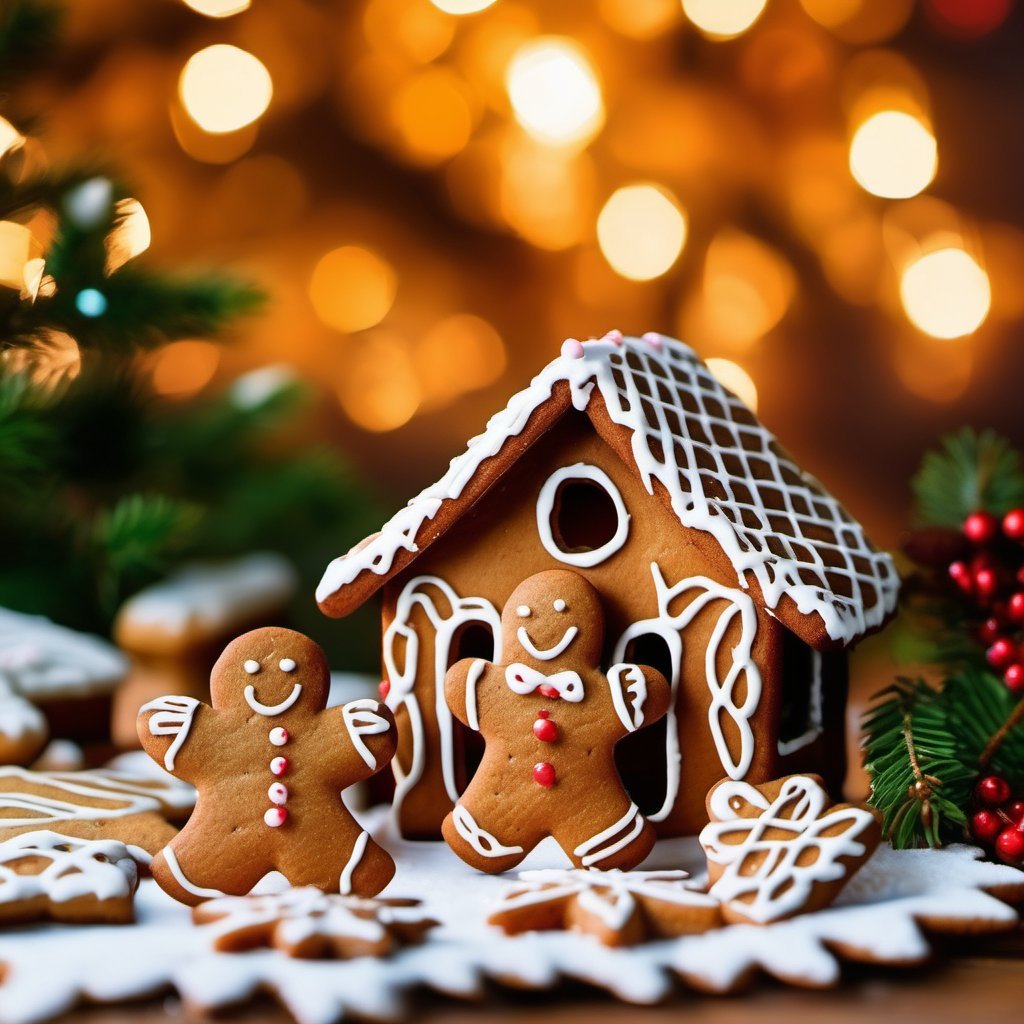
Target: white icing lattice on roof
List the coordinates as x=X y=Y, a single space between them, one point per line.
x=724 y=473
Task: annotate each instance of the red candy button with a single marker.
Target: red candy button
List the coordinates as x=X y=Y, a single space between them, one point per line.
x=279 y=765
x=545 y=730
x=385 y=688
x=544 y=774
x=545 y=690
x=275 y=817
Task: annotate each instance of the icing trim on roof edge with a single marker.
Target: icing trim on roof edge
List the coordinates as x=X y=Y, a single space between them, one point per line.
x=594 y=364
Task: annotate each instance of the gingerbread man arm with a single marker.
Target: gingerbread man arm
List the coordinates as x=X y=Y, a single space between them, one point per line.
x=178 y=732
x=364 y=744
x=640 y=694
x=460 y=684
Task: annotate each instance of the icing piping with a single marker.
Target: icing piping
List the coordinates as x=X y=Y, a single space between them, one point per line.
x=632 y=717
x=551 y=652
x=402 y=692
x=546 y=505
x=592 y=850
x=173 y=717
x=275 y=709
x=677 y=414
x=361 y=719
x=476 y=670
x=815 y=720
x=522 y=679
x=179 y=876
x=345 y=882
x=482 y=841
x=670 y=627
x=780 y=884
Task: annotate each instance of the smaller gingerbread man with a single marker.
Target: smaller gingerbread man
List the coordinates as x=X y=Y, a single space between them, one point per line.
x=550 y=719
x=269 y=763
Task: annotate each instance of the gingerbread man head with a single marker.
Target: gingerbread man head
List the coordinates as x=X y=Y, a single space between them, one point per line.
x=270 y=672
x=553 y=616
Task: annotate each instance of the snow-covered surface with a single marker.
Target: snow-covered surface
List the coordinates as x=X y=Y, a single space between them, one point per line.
x=49 y=969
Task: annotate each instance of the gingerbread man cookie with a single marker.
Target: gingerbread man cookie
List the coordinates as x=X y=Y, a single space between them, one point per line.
x=550 y=719
x=269 y=763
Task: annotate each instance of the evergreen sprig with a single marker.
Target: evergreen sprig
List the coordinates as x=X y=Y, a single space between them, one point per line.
x=971 y=471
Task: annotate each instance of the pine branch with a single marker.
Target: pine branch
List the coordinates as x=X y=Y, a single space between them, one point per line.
x=27 y=29
x=971 y=471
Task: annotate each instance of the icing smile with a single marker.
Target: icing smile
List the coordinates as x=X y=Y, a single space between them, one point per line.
x=271 y=709
x=545 y=654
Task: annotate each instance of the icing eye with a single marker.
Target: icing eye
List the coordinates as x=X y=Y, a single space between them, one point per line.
x=252 y=667
x=560 y=605
x=523 y=611
x=736 y=803
x=287 y=665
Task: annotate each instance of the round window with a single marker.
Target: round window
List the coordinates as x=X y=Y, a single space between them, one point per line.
x=581 y=516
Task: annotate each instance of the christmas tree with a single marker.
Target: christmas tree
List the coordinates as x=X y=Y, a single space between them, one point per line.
x=105 y=484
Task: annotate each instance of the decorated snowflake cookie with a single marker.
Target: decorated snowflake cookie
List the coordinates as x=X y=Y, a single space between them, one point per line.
x=778 y=850
x=619 y=908
x=311 y=924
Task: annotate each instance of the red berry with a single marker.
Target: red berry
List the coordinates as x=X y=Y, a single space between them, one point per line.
x=1015 y=607
x=1014 y=677
x=544 y=774
x=985 y=826
x=961 y=575
x=989 y=630
x=992 y=790
x=986 y=583
x=385 y=688
x=1010 y=845
x=1013 y=524
x=545 y=730
x=1002 y=653
x=981 y=527
x=1015 y=811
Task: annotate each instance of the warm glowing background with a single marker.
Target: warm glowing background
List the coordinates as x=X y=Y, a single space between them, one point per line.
x=823 y=197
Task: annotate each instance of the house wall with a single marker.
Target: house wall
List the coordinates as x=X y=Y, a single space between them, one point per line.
x=497 y=545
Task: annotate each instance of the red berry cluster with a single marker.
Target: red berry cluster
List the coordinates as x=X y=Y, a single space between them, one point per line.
x=991 y=577
x=998 y=821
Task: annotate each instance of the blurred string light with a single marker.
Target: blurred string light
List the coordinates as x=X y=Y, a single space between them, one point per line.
x=640 y=19
x=462 y=353
x=352 y=288
x=91 y=303
x=462 y=6
x=182 y=368
x=218 y=8
x=554 y=92
x=10 y=138
x=378 y=388
x=946 y=293
x=723 y=19
x=861 y=21
x=224 y=88
x=16 y=245
x=968 y=19
x=130 y=236
x=641 y=230
x=733 y=377
x=893 y=155
x=433 y=116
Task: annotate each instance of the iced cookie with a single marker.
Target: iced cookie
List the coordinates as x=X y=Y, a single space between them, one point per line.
x=311 y=924
x=619 y=908
x=23 y=728
x=550 y=719
x=778 y=850
x=44 y=875
x=269 y=764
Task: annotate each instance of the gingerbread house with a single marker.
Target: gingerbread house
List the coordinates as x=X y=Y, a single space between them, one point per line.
x=719 y=562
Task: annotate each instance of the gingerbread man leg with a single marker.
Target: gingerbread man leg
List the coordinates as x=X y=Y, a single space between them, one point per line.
x=186 y=870
x=622 y=843
x=489 y=839
x=345 y=860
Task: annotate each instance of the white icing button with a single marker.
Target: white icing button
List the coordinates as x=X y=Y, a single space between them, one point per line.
x=252 y=667
x=279 y=736
x=278 y=766
x=287 y=665
x=278 y=793
x=275 y=816
x=523 y=611
x=560 y=605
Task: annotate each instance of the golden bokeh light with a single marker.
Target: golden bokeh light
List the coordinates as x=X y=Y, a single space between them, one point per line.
x=733 y=377
x=461 y=353
x=723 y=19
x=554 y=92
x=10 y=137
x=16 y=247
x=218 y=8
x=748 y=287
x=640 y=19
x=937 y=373
x=352 y=288
x=184 y=367
x=462 y=6
x=860 y=21
x=224 y=88
x=408 y=30
x=130 y=236
x=893 y=155
x=432 y=114
x=55 y=359
x=378 y=388
x=946 y=293
x=641 y=230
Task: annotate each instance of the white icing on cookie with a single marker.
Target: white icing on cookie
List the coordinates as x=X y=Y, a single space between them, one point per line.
x=670 y=627
x=522 y=679
x=523 y=611
x=270 y=710
x=546 y=507
x=630 y=713
x=482 y=841
x=549 y=653
x=251 y=666
x=476 y=670
x=559 y=605
x=179 y=876
x=361 y=719
x=287 y=665
x=358 y=849
x=172 y=716
x=604 y=844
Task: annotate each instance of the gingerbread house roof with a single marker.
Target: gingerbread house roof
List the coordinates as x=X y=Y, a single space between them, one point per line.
x=701 y=450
